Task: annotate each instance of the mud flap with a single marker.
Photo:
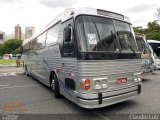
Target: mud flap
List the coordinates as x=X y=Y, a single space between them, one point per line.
x=139 y=89
x=100 y=98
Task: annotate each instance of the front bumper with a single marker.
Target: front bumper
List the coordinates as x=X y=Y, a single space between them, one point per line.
x=108 y=98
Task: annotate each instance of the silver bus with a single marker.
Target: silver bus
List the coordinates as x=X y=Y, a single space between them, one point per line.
x=88 y=55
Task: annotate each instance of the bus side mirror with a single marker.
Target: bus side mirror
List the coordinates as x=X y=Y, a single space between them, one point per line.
x=67 y=34
x=68 y=46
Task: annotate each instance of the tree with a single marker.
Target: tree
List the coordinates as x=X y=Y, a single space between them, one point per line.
x=151 y=32
x=1 y=49
x=153 y=35
x=11 y=45
x=138 y=29
x=153 y=25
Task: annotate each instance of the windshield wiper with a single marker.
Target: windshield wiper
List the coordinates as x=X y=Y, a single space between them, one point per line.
x=102 y=42
x=114 y=42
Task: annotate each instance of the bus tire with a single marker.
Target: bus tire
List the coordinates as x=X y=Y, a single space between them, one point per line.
x=56 y=87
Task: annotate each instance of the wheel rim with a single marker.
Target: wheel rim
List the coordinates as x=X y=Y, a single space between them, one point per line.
x=52 y=84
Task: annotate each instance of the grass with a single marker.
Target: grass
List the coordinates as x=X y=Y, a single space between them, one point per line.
x=10 y=61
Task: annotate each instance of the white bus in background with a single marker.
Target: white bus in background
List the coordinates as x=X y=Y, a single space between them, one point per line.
x=88 y=55
x=155 y=47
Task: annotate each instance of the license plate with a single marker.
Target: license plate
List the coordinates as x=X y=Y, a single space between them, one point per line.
x=122 y=80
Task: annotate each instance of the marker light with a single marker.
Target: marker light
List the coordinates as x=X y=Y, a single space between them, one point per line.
x=85 y=84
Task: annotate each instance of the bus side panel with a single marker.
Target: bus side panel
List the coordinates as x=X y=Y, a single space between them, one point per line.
x=52 y=61
x=70 y=79
x=40 y=65
x=65 y=67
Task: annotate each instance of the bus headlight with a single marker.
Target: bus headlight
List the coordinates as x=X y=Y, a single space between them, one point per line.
x=97 y=84
x=104 y=84
x=137 y=77
x=100 y=83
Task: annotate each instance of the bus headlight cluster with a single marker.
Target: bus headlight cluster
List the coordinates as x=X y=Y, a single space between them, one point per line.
x=104 y=84
x=100 y=83
x=137 y=77
x=97 y=84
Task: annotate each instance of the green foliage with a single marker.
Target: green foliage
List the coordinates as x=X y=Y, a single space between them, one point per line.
x=138 y=29
x=17 y=51
x=1 y=49
x=10 y=61
x=151 y=32
x=10 y=45
x=153 y=35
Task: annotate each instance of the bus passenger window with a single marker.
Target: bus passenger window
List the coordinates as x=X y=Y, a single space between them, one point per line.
x=41 y=40
x=52 y=34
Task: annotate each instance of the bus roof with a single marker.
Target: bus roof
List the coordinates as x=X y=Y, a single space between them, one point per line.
x=153 y=41
x=71 y=12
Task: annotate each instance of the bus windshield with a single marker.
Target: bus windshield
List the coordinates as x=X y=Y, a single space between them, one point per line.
x=97 y=34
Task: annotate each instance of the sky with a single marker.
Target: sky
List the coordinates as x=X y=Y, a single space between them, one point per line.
x=37 y=13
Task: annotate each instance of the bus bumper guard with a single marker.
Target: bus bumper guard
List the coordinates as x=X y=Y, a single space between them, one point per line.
x=101 y=99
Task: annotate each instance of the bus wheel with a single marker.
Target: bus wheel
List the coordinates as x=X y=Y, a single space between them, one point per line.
x=55 y=86
x=52 y=83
